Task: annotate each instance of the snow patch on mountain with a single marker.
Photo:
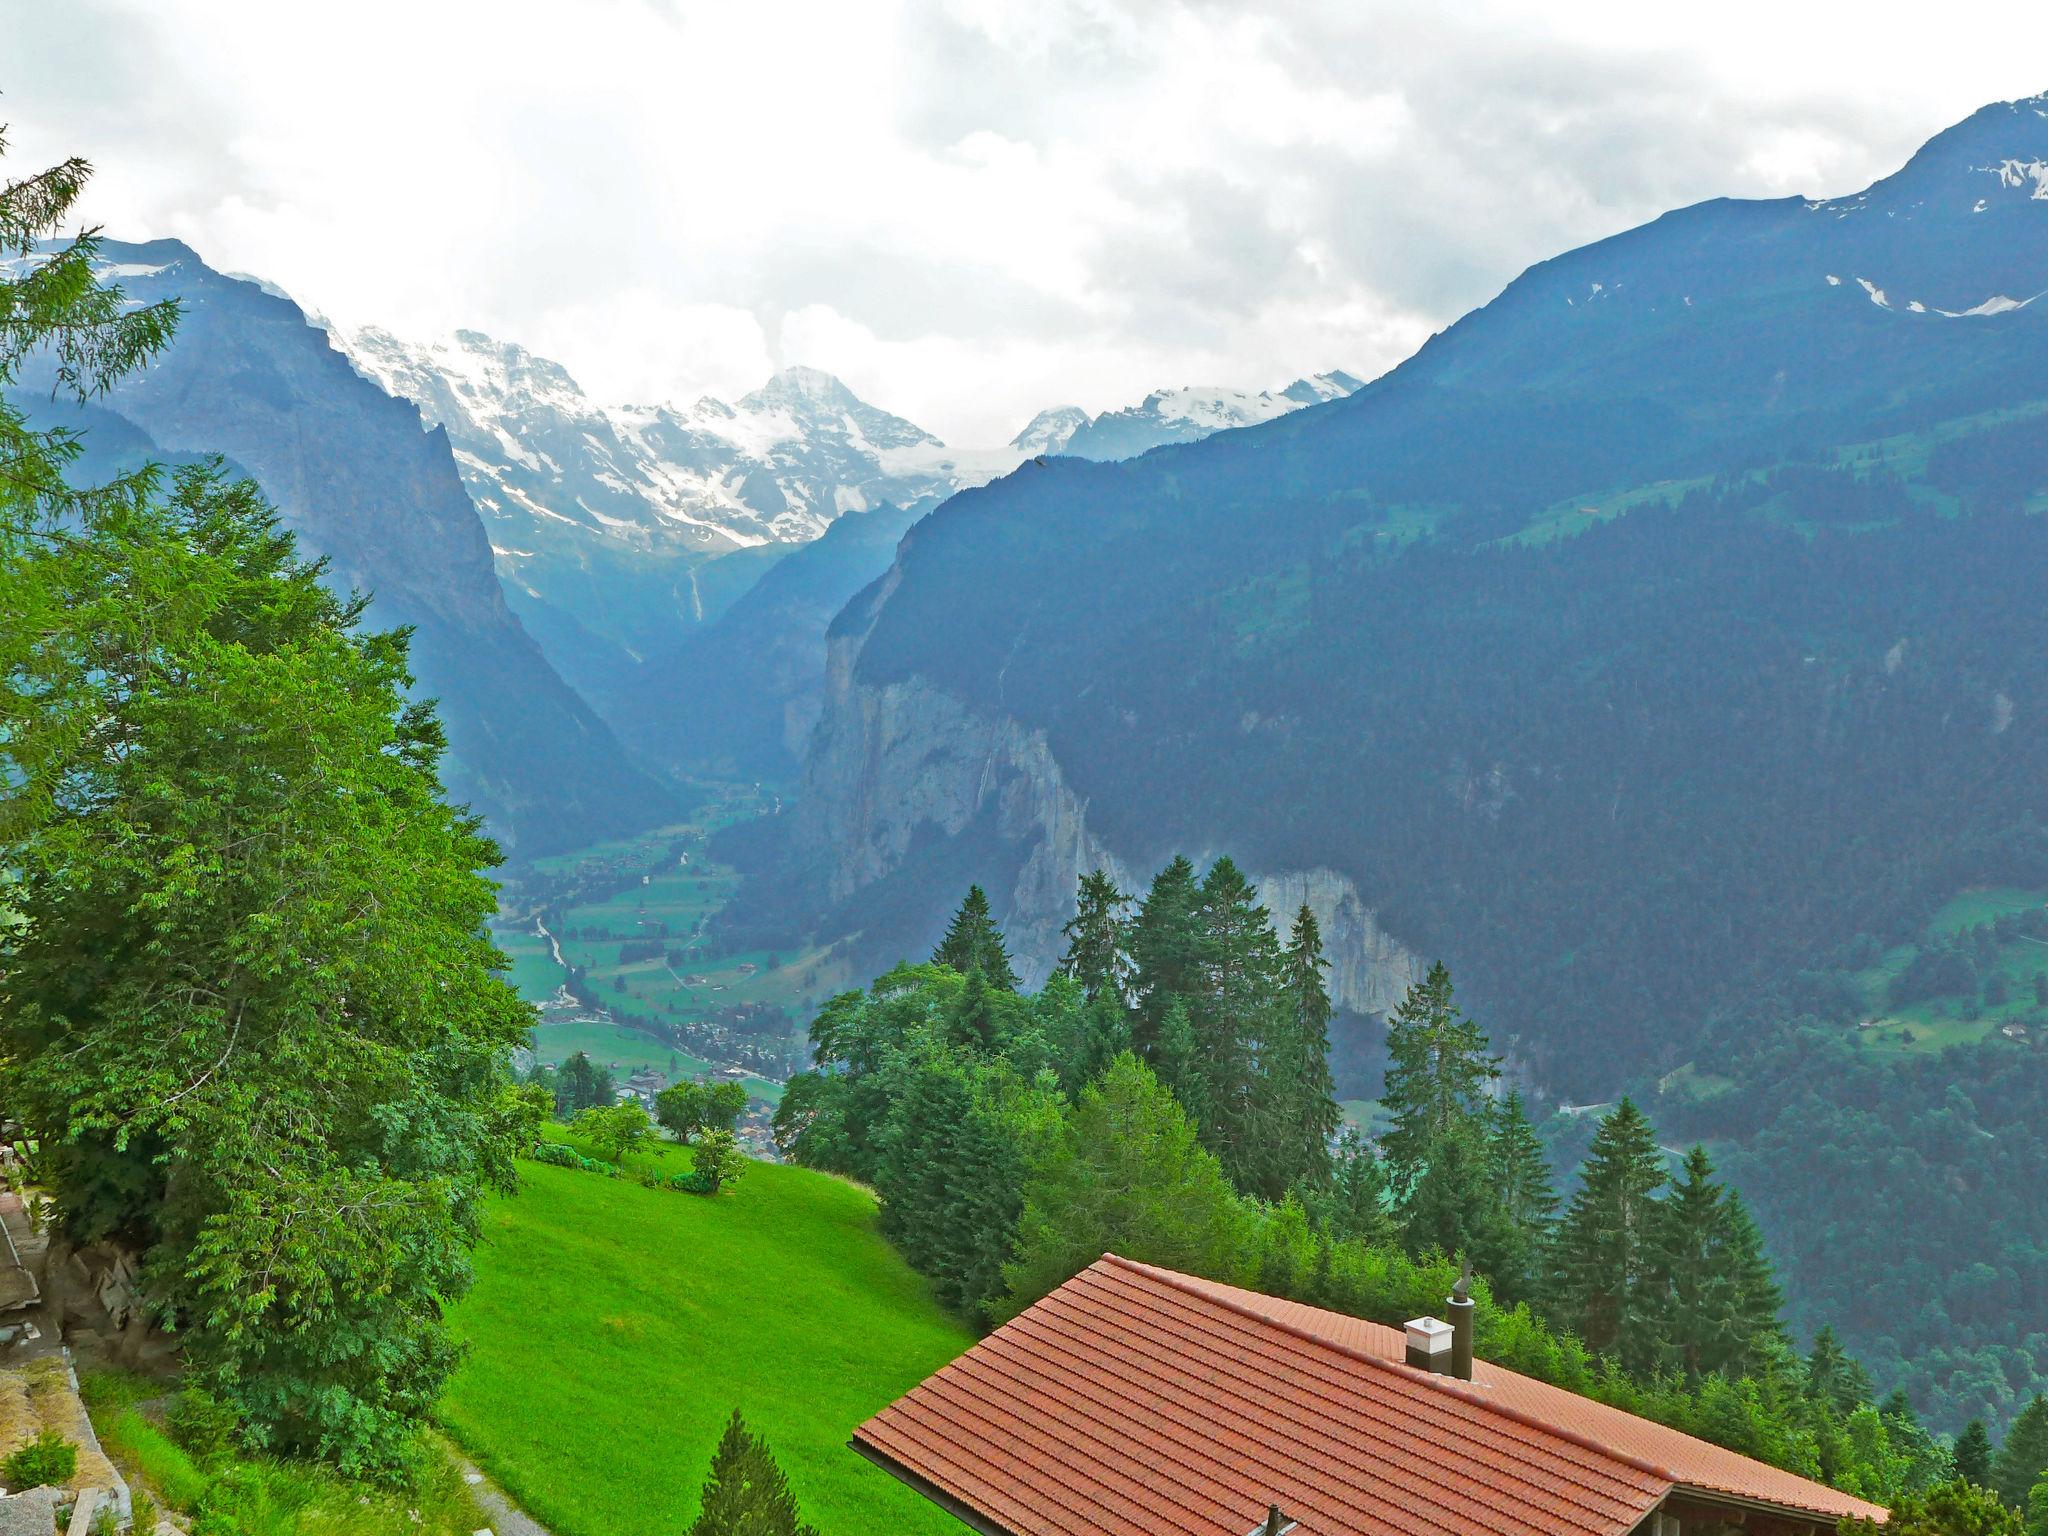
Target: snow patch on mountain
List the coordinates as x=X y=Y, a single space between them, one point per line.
x=776 y=465
x=1177 y=416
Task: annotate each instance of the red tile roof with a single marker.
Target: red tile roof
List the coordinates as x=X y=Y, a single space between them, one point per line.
x=1134 y=1401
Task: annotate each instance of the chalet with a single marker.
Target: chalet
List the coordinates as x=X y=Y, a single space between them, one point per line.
x=1135 y=1401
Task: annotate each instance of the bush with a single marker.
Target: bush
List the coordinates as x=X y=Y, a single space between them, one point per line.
x=719 y=1162
x=203 y=1425
x=49 y=1461
x=553 y=1152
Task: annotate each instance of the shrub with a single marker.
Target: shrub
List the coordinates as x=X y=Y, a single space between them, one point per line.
x=719 y=1162
x=555 y=1153
x=49 y=1460
x=202 y=1424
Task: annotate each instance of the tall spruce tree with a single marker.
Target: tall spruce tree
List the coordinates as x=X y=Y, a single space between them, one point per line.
x=2022 y=1458
x=1440 y=1070
x=1720 y=1297
x=1166 y=953
x=747 y=1494
x=1098 y=939
x=1528 y=1200
x=1177 y=1058
x=1436 y=1096
x=1233 y=1014
x=1607 y=1245
x=974 y=943
x=1973 y=1454
x=1358 y=1205
x=1297 y=1098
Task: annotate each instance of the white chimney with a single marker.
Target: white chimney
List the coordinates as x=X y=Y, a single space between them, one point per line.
x=1429 y=1345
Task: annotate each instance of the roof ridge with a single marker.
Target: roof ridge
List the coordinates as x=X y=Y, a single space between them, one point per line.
x=1401 y=1368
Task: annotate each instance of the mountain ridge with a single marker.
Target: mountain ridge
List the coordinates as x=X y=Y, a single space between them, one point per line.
x=361 y=484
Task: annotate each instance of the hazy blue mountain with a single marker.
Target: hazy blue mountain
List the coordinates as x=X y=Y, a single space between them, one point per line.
x=1661 y=636
x=361 y=482
x=741 y=694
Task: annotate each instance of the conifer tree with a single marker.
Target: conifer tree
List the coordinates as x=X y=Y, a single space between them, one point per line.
x=1436 y=1152
x=2022 y=1458
x=1357 y=1205
x=974 y=943
x=1722 y=1300
x=1232 y=1013
x=1973 y=1454
x=1440 y=1069
x=747 y=1494
x=1835 y=1377
x=1166 y=953
x=1606 y=1282
x=1098 y=938
x=1528 y=1201
x=1297 y=1097
x=1179 y=1063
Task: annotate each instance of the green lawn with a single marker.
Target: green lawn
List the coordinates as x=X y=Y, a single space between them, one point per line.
x=613 y=1328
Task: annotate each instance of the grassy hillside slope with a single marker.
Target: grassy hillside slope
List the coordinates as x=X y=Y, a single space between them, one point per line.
x=613 y=1328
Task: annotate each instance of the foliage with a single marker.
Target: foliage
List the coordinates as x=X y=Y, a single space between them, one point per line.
x=717 y=1163
x=615 y=1129
x=1954 y=1509
x=578 y=1084
x=49 y=1460
x=234 y=1495
x=1125 y=1174
x=688 y=1109
x=202 y=1423
x=247 y=999
x=973 y=943
x=2022 y=1458
x=747 y=1494
x=559 y=1156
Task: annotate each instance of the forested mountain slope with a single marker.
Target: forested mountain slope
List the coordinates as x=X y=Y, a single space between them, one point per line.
x=1655 y=632
x=362 y=483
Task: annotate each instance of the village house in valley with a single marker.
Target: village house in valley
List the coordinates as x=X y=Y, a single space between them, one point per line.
x=1135 y=1401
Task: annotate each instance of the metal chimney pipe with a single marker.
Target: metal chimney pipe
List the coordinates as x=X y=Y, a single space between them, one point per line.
x=1461 y=1308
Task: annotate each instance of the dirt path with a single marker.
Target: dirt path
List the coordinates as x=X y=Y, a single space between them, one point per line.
x=507 y=1518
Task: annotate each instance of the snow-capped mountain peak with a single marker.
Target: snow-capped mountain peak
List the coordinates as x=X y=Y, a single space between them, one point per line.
x=1050 y=430
x=1178 y=416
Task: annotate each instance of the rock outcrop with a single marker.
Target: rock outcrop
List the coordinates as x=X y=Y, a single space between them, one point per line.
x=893 y=764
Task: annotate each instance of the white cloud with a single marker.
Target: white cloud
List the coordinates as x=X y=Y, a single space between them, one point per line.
x=969 y=209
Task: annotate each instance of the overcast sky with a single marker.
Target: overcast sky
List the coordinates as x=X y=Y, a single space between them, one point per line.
x=968 y=209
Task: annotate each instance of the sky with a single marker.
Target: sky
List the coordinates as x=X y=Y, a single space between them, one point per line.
x=969 y=210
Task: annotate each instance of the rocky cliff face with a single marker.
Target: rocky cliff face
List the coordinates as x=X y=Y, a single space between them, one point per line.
x=893 y=765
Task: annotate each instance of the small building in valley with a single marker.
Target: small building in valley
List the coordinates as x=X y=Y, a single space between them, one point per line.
x=1135 y=1401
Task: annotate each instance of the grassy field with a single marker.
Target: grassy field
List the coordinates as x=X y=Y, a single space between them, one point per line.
x=613 y=1328
x=1933 y=1025
x=625 y=1051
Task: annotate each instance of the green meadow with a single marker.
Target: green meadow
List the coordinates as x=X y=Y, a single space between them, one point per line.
x=612 y=1329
